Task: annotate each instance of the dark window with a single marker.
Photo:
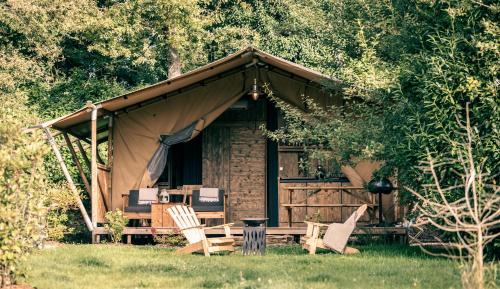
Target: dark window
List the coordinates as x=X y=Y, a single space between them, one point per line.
x=183 y=165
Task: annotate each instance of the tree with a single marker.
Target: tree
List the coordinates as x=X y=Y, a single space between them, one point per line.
x=455 y=63
x=30 y=37
x=295 y=30
x=145 y=41
x=329 y=134
x=472 y=218
x=23 y=185
x=410 y=67
x=88 y=50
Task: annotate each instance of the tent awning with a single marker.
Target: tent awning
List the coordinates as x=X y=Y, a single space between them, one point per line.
x=77 y=122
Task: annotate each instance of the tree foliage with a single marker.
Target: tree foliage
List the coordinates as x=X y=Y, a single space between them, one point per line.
x=457 y=63
x=330 y=135
x=407 y=67
x=23 y=188
x=413 y=65
x=299 y=31
x=471 y=218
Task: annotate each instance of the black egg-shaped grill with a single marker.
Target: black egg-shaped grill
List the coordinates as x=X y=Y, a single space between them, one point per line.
x=380 y=186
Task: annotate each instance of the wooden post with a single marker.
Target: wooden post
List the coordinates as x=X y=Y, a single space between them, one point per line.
x=69 y=179
x=93 y=162
x=290 y=216
x=110 y=140
x=341 y=202
x=77 y=162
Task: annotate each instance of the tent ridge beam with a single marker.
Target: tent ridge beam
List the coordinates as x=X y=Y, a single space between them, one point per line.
x=294 y=77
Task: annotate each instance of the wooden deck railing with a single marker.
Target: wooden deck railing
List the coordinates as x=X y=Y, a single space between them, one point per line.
x=370 y=201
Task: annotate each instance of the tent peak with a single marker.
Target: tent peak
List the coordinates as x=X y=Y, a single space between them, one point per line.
x=226 y=64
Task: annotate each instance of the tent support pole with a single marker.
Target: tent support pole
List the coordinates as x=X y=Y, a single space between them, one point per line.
x=77 y=162
x=94 y=180
x=72 y=186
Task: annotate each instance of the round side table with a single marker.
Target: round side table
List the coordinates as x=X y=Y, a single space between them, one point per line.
x=254 y=236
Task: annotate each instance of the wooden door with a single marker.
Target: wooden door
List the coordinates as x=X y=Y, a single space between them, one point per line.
x=216 y=157
x=216 y=150
x=234 y=159
x=248 y=173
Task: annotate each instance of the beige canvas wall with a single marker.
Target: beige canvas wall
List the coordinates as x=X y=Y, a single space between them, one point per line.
x=137 y=133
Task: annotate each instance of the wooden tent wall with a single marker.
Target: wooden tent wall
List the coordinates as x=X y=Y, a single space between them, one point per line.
x=104 y=195
x=234 y=159
x=288 y=162
x=315 y=196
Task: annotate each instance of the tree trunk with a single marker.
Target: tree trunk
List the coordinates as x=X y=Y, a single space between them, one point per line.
x=174 y=67
x=478 y=266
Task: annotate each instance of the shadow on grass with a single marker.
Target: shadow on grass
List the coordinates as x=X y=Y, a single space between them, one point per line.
x=322 y=278
x=93 y=262
x=395 y=250
x=149 y=268
x=392 y=250
x=212 y=284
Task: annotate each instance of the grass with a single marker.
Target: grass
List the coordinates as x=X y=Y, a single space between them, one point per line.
x=108 y=266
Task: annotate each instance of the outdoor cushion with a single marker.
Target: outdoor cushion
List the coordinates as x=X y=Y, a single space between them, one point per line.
x=147 y=196
x=138 y=209
x=200 y=206
x=209 y=195
x=133 y=206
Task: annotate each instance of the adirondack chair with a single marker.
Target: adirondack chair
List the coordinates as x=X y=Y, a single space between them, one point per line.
x=335 y=237
x=185 y=218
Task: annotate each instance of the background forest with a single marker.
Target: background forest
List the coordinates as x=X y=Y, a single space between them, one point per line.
x=414 y=64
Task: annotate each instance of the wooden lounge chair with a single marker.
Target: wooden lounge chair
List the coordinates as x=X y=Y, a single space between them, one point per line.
x=335 y=237
x=185 y=218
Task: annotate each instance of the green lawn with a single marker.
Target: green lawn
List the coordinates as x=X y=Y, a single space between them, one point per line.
x=108 y=266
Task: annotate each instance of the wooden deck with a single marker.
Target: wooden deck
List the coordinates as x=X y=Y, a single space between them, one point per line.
x=298 y=231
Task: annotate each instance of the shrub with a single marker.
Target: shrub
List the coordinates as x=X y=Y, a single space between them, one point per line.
x=23 y=184
x=170 y=240
x=59 y=201
x=116 y=222
x=471 y=219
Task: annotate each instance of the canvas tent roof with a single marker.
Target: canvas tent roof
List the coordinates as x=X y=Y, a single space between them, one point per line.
x=192 y=100
x=76 y=123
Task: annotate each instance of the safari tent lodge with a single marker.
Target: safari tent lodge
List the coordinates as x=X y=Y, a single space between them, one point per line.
x=198 y=136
